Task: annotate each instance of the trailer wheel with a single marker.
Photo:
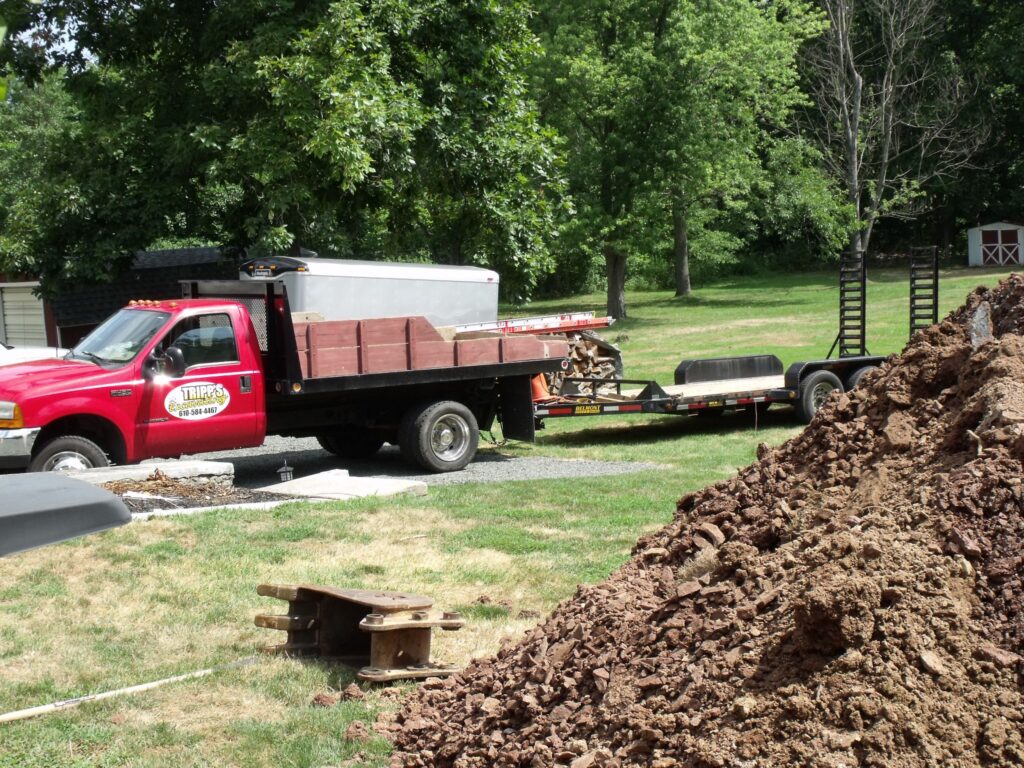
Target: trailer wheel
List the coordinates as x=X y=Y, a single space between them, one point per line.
x=814 y=391
x=440 y=437
x=351 y=443
x=68 y=453
x=857 y=375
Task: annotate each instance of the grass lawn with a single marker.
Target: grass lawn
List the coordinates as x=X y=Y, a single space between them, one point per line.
x=170 y=596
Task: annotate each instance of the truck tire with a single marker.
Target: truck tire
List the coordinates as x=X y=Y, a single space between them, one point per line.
x=351 y=443
x=856 y=376
x=68 y=453
x=440 y=437
x=814 y=391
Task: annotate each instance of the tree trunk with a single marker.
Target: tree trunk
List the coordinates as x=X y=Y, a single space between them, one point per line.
x=681 y=252
x=615 y=266
x=856 y=240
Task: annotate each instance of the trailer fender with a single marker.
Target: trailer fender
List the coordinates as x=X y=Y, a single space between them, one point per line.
x=841 y=368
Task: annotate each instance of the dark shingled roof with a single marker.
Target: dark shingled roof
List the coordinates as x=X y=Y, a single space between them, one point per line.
x=154 y=275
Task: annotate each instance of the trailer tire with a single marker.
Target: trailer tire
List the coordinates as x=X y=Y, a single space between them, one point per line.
x=854 y=379
x=351 y=443
x=814 y=391
x=68 y=453
x=439 y=436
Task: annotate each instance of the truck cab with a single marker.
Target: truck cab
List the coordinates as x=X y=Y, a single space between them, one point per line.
x=156 y=379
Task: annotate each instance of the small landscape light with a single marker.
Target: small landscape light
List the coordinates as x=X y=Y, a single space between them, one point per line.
x=286 y=473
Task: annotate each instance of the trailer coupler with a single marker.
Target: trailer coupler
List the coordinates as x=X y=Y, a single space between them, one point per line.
x=385 y=634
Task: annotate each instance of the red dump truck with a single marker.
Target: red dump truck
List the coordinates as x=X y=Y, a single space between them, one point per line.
x=228 y=364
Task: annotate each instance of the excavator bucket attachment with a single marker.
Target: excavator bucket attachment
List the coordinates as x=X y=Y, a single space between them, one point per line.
x=386 y=634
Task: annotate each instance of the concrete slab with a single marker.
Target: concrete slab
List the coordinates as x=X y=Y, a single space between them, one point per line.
x=337 y=484
x=253 y=505
x=207 y=471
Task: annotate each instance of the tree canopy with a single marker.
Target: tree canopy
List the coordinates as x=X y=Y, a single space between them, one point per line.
x=398 y=128
x=664 y=106
x=570 y=145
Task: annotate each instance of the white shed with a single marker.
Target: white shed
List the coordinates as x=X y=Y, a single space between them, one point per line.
x=22 y=319
x=995 y=245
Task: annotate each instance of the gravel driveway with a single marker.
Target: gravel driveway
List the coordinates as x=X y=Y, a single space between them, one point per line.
x=257 y=467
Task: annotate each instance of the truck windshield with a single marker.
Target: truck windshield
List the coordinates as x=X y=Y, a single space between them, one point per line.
x=120 y=337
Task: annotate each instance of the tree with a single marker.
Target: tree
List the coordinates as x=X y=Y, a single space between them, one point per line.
x=396 y=128
x=662 y=105
x=889 y=106
x=35 y=125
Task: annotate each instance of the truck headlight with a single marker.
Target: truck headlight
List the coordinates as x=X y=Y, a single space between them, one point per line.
x=10 y=416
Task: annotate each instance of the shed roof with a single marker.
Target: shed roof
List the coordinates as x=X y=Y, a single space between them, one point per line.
x=997 y=224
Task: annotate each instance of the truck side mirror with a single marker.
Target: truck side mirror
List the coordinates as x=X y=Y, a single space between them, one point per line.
x=174 y=362
x=151 y=365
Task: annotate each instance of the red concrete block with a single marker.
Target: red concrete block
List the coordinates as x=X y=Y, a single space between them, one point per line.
x=333 y=361
x=304 y=364
x=477 y=351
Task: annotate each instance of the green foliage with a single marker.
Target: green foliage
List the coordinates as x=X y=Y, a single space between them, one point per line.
x=34 y=125
x=801 y=215
x=398 y=128
x=664 y=107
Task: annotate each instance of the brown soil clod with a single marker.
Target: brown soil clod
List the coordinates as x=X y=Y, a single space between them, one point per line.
x=836 y=613
x=854 y=597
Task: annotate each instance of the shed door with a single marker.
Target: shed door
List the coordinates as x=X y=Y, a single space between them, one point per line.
x=21 y=317
x=1000 y=247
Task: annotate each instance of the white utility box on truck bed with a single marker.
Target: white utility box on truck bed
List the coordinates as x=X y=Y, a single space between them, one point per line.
x=342 y=289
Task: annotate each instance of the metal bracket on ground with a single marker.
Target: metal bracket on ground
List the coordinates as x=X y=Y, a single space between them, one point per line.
x=386 y=634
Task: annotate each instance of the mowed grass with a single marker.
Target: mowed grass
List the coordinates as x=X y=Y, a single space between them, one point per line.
x=170 y=596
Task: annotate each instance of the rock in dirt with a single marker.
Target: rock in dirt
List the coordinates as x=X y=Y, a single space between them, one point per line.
x=357 y=731
x=324 y=700
x=860 y=603
x=352 y=692
x=836 y=612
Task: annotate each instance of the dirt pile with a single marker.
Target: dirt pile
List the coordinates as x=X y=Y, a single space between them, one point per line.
x=851 y=599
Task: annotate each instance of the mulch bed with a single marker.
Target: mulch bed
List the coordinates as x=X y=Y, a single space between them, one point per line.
x=159 y=492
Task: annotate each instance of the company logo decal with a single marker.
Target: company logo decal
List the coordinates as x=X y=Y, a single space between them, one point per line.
x=583 y=410
x=198 y=400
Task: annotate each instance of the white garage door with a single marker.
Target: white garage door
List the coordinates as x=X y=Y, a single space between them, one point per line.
x=21 y=317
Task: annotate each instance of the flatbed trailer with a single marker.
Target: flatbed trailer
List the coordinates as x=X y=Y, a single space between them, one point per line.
x=757 y=381
x=713 y=385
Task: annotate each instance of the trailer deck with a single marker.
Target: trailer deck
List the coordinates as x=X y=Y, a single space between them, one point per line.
x=606 y=396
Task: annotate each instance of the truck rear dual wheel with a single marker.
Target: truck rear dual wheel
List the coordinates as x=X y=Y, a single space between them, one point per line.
x=351 y=442
x=814 y=392
x=68 y=453
x=440 y=436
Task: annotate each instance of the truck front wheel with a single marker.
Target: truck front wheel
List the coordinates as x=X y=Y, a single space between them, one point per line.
x=68 y=453
x=440 y=437
x=351 y=443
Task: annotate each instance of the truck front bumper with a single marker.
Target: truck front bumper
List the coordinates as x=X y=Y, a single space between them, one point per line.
x=16 y=447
